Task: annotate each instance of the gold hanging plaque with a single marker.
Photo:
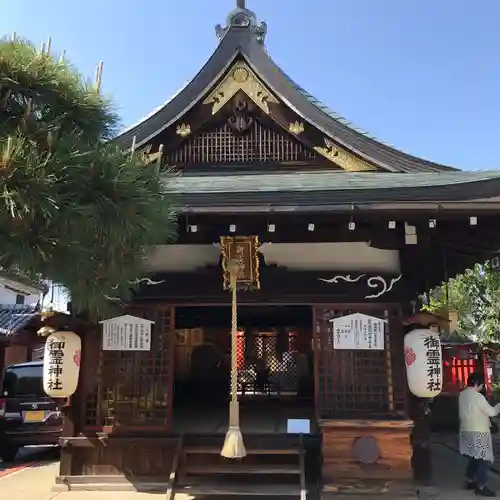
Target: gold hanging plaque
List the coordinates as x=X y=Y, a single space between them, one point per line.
x=245 y=250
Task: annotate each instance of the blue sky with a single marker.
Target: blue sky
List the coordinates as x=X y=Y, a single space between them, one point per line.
x=422 y=75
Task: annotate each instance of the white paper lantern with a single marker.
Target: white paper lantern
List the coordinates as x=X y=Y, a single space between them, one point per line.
x=424 y=365
x=61 y=364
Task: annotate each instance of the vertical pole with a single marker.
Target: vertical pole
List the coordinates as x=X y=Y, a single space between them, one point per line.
x=132 y=148
x=159 y=160
x=420 y=413
x=98 y=77
x=2 y=357
x=388 y=353
x=74 y=412
x=446 y=290
x=421 y=442
x=316 y=354
x=171 y=369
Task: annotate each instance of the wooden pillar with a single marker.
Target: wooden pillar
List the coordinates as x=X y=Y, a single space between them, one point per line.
x=73 y=411
x=421 y=441
x=316 y=347
x=171 y=372
x=66 y=452
x=388 y=360
x=2 y=360
x=419 y=409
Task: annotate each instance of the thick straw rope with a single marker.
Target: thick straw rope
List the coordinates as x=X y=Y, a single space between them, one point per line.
x=234 y=342
x=233 y=444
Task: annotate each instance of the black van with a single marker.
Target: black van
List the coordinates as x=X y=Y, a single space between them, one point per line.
x=27 y=415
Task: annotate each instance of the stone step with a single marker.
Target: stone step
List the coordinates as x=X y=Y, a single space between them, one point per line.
x=237 y=490
x=214 y=450
x=242 y=469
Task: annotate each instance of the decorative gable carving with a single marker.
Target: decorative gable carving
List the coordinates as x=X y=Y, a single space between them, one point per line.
x=343 y=158
x=242 y=82
x=240 y=77
x=241 y=118
x=149 y=157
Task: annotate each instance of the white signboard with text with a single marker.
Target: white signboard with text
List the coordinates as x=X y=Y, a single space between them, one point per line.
x=358 y=332
x=298 y=426
x=126 y=333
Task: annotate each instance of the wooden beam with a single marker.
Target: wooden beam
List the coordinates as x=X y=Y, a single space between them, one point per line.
x=290 y=229
x=278 y=286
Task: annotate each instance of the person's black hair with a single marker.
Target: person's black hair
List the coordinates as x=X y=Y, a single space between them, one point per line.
x=475 y=379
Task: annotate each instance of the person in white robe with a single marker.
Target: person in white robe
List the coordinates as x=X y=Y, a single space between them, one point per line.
x=475 y=415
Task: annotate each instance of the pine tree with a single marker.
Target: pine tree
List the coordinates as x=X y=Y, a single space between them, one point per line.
x=74 y=207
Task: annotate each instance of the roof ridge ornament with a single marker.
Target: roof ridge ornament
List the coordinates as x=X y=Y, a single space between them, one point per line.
x=243 y=18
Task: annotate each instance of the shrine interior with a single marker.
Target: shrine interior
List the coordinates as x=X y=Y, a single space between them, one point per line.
x=275 y=367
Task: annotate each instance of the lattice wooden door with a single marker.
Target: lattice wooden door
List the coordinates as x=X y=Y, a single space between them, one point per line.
x=134 y=389
x=358 y=382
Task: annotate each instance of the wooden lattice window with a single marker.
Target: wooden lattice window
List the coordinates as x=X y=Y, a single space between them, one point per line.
x=259 y=144
x=133 y=389
x=358 y=383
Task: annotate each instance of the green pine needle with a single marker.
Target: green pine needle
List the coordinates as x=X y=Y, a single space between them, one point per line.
x=73 y=207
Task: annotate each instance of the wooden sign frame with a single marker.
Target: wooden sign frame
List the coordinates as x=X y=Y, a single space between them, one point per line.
x=244 y=249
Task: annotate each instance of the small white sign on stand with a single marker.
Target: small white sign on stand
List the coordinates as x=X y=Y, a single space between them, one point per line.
x=126 y=333
x=358 y=332
x=298 y=426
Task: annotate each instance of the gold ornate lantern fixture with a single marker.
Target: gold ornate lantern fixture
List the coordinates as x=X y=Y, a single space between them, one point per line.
x=240 y=264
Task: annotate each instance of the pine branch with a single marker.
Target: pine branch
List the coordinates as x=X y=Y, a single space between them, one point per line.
x=74 y=208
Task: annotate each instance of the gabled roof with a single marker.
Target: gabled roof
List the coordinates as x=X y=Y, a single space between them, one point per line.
x=243 y=39
x=14 y=318
x=19 y=284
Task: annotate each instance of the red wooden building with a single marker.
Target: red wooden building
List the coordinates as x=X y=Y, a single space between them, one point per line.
x=460 y=359
x=334 y=222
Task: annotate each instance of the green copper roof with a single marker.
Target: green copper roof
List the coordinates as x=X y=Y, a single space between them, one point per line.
x=322 y=181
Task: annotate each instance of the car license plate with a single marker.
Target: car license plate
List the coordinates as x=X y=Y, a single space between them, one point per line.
x=34 y=416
